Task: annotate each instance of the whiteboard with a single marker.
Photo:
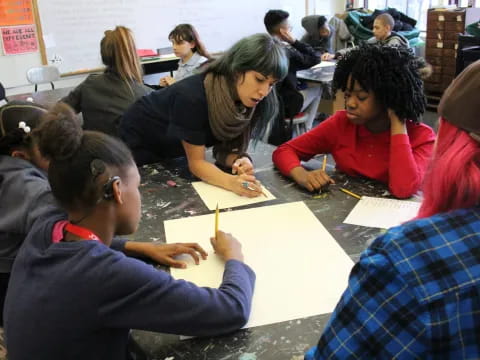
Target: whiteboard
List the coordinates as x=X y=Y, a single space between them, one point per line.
x=72 y=30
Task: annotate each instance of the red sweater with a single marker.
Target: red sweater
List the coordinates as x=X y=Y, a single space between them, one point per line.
x=399 y=160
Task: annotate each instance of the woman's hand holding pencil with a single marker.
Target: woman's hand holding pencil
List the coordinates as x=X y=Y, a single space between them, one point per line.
x=246 y=185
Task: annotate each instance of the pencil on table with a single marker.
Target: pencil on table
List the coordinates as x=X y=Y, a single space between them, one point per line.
x=324 y=165
x=350 y=193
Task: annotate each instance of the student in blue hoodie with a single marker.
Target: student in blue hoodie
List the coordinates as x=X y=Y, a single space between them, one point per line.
x=25 y=193
x=71 y=296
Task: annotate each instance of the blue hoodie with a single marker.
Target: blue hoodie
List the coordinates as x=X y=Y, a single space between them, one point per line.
x=79 y=299
x=24 y=195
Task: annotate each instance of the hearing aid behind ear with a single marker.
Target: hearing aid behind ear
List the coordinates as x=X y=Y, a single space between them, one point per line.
x=108 y=188
x=97 y=168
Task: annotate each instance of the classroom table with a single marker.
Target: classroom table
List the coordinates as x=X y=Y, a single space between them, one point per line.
x=160 y=65
x=286 y=340
x=46 y=98
x=320 y=74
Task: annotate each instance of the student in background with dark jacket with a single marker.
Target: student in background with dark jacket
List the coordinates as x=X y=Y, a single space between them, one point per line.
x=103 y=98
x=319 y=33
x=296 y=96
x=71 y=296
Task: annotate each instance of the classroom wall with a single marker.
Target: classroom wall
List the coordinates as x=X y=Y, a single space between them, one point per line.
x=13 y=68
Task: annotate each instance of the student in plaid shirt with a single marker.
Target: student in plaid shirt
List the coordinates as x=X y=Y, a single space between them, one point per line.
x=415 y=292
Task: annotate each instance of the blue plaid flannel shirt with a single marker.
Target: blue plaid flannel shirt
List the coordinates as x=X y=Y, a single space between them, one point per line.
x=414 y=294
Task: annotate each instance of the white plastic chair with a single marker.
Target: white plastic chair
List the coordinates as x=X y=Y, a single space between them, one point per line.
x=42 y=75
x=300 y=124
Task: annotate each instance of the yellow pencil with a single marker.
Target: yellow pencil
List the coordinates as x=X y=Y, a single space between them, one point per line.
x=350 y=193
x=216 y=221
x=324 y=166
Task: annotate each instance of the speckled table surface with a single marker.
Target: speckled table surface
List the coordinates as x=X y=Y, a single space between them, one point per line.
x=287 y=340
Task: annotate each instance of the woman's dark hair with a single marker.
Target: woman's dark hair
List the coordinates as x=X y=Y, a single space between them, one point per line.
x=261 y=53
x=390 y=72
x=186 y=32
x=12 y=115
x=273 y=18
x=75 y=155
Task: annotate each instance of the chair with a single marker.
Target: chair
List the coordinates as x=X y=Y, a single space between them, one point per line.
x=468 y=51
x=299 y=124
x=42 y=75
x=2 y=93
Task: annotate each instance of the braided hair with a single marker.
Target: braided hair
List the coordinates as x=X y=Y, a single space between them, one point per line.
x=391 y=73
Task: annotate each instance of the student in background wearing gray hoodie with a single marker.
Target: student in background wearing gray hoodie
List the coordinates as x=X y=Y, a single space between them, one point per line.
x=382 y=34
x=319 y=34
x=25 y=194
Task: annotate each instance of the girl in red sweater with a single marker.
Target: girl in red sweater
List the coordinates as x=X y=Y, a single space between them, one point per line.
x=378 y=135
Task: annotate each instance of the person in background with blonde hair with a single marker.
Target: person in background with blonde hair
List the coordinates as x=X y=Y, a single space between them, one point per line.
x=103 y=98
x=190 y=49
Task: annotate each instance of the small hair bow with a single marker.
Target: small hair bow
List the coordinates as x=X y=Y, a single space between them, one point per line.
x=24 y=126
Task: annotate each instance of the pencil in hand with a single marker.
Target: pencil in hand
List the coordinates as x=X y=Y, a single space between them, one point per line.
x=324 y=165
x=247 y=186
x=216 y=222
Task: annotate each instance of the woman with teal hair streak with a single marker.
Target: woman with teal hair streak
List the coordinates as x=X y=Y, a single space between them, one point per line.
x=228 y=104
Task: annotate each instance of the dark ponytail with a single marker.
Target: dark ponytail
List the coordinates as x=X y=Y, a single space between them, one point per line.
x=61 y=133
x=76 y=183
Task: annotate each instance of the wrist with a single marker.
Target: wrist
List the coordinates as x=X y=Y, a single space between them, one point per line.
x=243 y=155
x=298 y=173
x=398 y=127
x=238 y=257
x=137 y=248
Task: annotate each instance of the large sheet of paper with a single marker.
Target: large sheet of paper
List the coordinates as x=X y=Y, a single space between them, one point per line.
x=213 y=195
x=301 y=270
x=382 y=213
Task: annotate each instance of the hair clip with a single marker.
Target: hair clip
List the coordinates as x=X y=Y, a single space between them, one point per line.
x=22 y=125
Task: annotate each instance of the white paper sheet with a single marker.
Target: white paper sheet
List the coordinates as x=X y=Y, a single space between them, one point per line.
x=301 y=270
x=324 y=64
x=213 y=195
x=382 y=213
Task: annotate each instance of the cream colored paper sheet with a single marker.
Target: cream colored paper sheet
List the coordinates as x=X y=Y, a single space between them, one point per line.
x=301 y=270
x=213 y=195
x=382 y=213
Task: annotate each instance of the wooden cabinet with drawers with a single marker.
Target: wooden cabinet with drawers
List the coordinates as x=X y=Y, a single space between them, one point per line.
x=443 y=27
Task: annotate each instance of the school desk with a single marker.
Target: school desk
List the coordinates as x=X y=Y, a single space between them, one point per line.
x=317 y=74
x=287 y=340
x=160 y=65
x=46 y=98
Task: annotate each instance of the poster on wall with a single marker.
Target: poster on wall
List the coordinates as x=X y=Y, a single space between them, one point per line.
x=16 y=12
x=19 y=39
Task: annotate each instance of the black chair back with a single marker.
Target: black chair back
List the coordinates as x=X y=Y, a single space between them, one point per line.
x=468 y=51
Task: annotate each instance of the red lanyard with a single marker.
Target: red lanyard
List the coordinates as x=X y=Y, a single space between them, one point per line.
x=81 y=232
